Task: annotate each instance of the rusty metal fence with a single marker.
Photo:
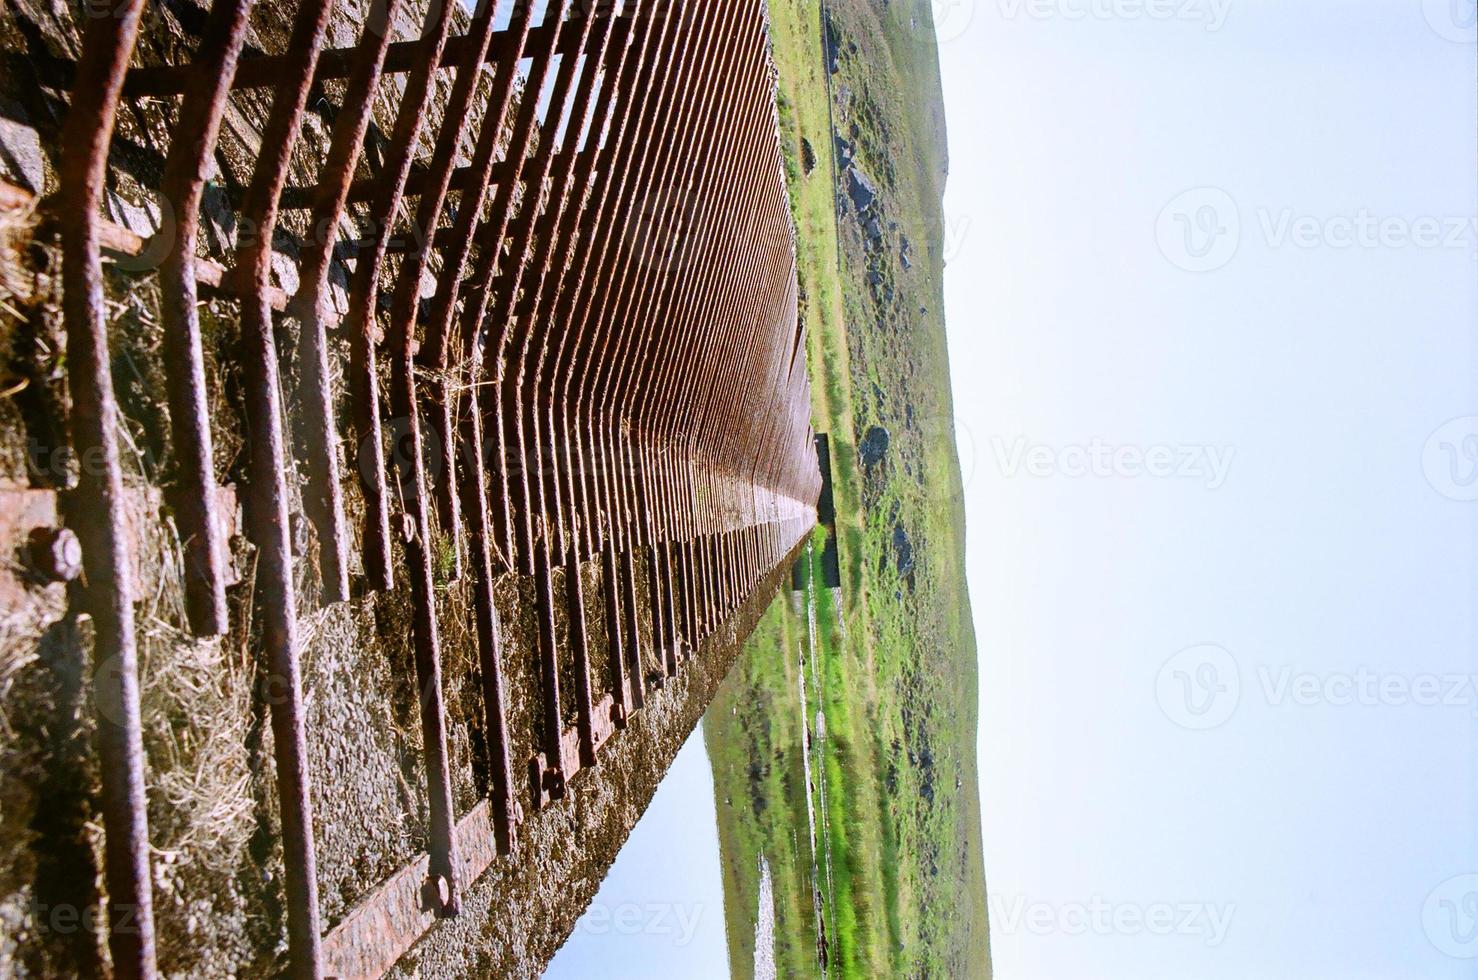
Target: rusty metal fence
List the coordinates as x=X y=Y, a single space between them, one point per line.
x=585 y=329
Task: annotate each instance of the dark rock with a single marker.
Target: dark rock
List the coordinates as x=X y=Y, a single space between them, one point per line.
x=844 y=153
x=874 y=445
x=862 y=191
x=902 y=550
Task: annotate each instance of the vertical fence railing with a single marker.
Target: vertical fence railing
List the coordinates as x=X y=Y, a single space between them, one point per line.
x=590 y=334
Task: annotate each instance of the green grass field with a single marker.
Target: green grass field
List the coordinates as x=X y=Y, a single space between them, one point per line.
x=890 y=659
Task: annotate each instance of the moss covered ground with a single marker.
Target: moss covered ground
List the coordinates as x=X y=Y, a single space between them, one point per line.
x=843 y=744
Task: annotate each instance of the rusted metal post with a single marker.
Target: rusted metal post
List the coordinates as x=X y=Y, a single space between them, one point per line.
x=317 y=430
x=501 y=320
x=359 y=323
x=267 y=492
x=96 y=508
x=184 y=360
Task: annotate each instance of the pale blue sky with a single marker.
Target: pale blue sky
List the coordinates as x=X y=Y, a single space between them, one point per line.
x=1220 y=551
x=1313 y=827
x=660 y=912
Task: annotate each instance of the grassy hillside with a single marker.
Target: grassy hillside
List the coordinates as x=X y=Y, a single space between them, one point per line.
x=873 y=686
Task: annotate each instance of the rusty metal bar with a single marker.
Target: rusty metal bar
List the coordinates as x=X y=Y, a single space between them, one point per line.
x=266 y=71
x=525 y=463
x=608 y=130
x=437 y=347
x=404 y=402
x=96 y=511
x=595 y=292
x=548 y=781
x=359 y=322
x=184 y=361
x=114 y=240
x=520 y=241
x=565 y=439
x=629 y=465
x=267 y=492
x=551 y=770
x=567 y=185
x=560 y=239
x=710 y=550
x=360 y=191
x=643 y=319
x=317 y=431
x=722 y=377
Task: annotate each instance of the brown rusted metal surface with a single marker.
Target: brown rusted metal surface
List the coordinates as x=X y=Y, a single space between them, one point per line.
x=389 y=920
x=267 y=506
x=317 y=431
x=265 y=71
x=404 y=402
x=27 y=513
x=596 y=380
x=181 y=192
x=359 y=322
x=96 y=511
x=116 y=241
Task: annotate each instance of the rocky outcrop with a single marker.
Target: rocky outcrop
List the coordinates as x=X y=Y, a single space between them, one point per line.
x=874 y=446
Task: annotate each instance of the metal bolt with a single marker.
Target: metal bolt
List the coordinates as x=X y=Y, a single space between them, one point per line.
x=55 y=554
